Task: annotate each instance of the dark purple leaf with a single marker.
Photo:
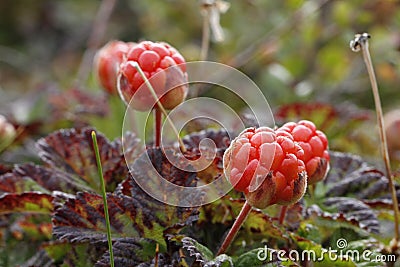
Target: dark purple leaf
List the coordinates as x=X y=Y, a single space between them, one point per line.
x=72 y=151
x=351 y=176
x=129 y=252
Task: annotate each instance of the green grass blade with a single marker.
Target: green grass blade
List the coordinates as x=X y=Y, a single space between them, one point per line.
x=103 y=191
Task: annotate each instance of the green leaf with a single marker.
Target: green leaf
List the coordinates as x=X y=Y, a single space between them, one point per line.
x=65 y=254
x=262 y=257
x=368 y=247
x=322 y=256
x=203 y=255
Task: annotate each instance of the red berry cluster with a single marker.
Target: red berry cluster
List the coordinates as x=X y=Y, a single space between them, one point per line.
x=266 y=166
x=272 y=166
x=107 y=61
x=163 y=66
x=315 y=146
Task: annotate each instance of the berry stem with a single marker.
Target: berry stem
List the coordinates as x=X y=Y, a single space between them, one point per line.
x=103 y=191
x=157 y=126
x=205 y=40
x=159 y=105
x=361 y=42
x=282 y=214
x=235 y=227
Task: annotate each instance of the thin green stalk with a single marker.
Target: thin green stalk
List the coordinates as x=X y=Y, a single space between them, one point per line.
x=160 y=106
x=103 y=191
x=361 y=43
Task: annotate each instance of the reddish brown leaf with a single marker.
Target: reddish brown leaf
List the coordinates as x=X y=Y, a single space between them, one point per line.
x=82 y=219
x=30 y=202
x=30 y=177
x=72 y=152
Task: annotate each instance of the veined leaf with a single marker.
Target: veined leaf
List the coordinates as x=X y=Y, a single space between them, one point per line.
x=129 y=252
x=72 y=152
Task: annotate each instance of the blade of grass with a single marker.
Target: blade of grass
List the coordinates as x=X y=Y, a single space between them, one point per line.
x=360 y=42
x=103 y=191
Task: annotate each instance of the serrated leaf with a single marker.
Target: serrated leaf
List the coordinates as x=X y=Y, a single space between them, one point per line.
x=338 y=219
x=129 y=252
x=203 y=255
x=82 y=219
x=72 y=152
x=354 y=210
x=353 y=177
x=30 y=202
x=30 y=177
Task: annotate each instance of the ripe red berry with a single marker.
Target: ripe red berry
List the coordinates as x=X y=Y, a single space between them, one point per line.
x=266 y=166
x=107 y=61
x=165 y=69
x=315 y=146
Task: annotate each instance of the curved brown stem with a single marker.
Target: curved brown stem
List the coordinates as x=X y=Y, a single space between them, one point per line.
x=282 y=214
x=235 y=228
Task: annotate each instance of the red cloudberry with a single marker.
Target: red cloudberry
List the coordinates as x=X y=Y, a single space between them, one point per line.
x=107 y=61
x=315 y=146
x=165 y=68
x=266 y=166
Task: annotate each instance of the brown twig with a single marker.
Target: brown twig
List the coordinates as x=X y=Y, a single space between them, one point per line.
x=361 y=43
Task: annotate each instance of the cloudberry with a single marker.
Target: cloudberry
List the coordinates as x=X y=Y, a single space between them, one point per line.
x=107 y=61
x=266 y=166
x=315 y=146
x=165 y=68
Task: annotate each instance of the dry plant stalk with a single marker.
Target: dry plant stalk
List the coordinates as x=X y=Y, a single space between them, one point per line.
x=360 y=42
